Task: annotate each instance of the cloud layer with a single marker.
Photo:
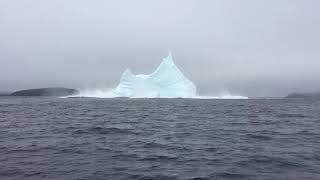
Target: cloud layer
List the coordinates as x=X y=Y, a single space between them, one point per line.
x=254 y=48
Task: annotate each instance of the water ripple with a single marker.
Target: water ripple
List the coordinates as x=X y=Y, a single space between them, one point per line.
x=183 y=139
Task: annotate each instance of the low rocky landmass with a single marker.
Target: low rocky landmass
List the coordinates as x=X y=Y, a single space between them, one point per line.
x=56 y=91
x=315 y=95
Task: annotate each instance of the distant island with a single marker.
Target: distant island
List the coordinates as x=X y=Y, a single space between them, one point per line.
x=315 y=95
x=55 y=91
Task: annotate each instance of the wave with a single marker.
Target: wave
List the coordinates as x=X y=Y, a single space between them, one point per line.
x=108 y=93
x=221 y=97
x=95 y=93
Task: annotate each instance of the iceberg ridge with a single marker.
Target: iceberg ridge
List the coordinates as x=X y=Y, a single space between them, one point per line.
x=167 y=81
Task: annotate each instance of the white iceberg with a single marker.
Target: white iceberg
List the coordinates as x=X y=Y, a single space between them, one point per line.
x=166 y=82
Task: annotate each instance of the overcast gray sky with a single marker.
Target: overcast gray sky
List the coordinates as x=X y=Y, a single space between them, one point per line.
x=249 y=47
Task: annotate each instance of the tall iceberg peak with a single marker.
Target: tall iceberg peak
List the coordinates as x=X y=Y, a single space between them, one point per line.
x=167 y=81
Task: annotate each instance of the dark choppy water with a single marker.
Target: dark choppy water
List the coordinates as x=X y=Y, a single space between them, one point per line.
x=51 y=138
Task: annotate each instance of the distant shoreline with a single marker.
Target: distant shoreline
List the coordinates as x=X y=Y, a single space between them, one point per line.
x=51 y=91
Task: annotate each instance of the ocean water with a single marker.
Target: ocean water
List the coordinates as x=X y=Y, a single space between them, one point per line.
x=87 y=138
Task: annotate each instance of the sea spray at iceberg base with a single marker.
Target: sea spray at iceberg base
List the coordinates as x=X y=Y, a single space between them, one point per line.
x=167 y=81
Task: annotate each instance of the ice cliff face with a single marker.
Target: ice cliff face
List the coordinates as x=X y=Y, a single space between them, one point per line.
x=166 y=82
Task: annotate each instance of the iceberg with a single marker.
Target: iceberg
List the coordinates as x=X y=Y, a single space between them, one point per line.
x=167 y=81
